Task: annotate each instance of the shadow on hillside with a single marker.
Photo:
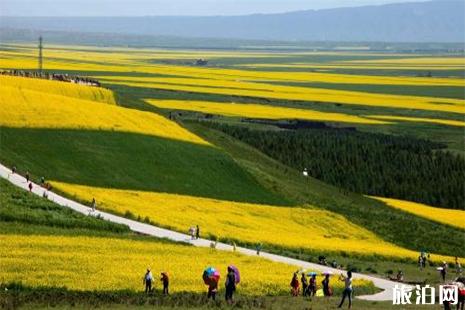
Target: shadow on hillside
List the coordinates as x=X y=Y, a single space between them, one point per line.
x=130 y=161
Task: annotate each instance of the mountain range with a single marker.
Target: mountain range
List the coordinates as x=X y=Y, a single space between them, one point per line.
x=431 y=21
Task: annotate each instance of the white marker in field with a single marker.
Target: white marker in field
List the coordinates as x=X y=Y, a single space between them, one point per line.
x=305 y=172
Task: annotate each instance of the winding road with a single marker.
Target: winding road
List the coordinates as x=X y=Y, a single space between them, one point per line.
x=386 y=285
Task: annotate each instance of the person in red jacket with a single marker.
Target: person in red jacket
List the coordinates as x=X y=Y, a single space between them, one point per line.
x=461 y=299
x=166 y=282
x=295 y=285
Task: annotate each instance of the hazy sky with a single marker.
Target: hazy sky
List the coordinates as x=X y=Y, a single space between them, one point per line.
x=168 y=7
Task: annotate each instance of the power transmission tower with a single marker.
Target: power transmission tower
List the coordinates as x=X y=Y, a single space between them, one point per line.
x=40 y=55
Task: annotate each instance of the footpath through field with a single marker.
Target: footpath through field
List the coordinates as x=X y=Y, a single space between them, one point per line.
x=158 y=232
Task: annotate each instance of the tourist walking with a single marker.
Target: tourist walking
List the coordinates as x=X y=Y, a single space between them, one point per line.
x=148 y=279
x=424 y=259
x=258 y=248
x=27 y=176
x=443 y=271
x=212 y=290
x=197 y=232
x=326 y=288
x=230 y=285
x=312 y=285
x=461 y=297
x=458 y=267
x=192 y=232
x=347 y=289
x=304 y=282
x=295 y=285
x=30 y=186
x=93 y=205
x=165 y=280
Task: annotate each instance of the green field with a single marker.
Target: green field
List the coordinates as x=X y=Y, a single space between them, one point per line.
x=130 y=161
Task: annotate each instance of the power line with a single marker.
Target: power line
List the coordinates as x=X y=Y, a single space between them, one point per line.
x=40 y=55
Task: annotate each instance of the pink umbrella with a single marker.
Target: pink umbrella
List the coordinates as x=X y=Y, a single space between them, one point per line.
x=216 y=275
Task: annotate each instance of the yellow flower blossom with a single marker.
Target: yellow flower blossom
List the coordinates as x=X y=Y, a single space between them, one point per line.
x=104 y=263
x=22 y=107
x=445 y=216
x=291 y=227
x=258 y=111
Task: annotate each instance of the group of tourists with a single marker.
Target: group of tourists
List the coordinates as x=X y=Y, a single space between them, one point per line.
x=210 y=277
x=53 y=76
x=322 y=261
x=46 y=185
x=425 y=258
x=310 y=288
x=148 y=282
x=443 y=269
x=194 y=232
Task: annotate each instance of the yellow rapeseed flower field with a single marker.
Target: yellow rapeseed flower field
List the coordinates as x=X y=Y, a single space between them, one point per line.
x=29 y=108
x=135 y=60
x=291 y=227
x=437 y=61
x=445 y=216
x=315 y=95
x=307 y=77
x=446 y=122
x=104 y=263
x=59 y=88
x=369 y=66
x=258 y=111
x=248 y=83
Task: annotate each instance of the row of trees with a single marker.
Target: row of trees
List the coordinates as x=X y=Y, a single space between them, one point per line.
x=375 y=164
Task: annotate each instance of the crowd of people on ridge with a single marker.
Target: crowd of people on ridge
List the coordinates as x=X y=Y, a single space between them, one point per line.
x=81 y=80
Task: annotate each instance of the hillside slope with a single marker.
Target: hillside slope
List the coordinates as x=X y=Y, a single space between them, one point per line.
x=395 y=226
x=92 y=143
x=82 y=253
